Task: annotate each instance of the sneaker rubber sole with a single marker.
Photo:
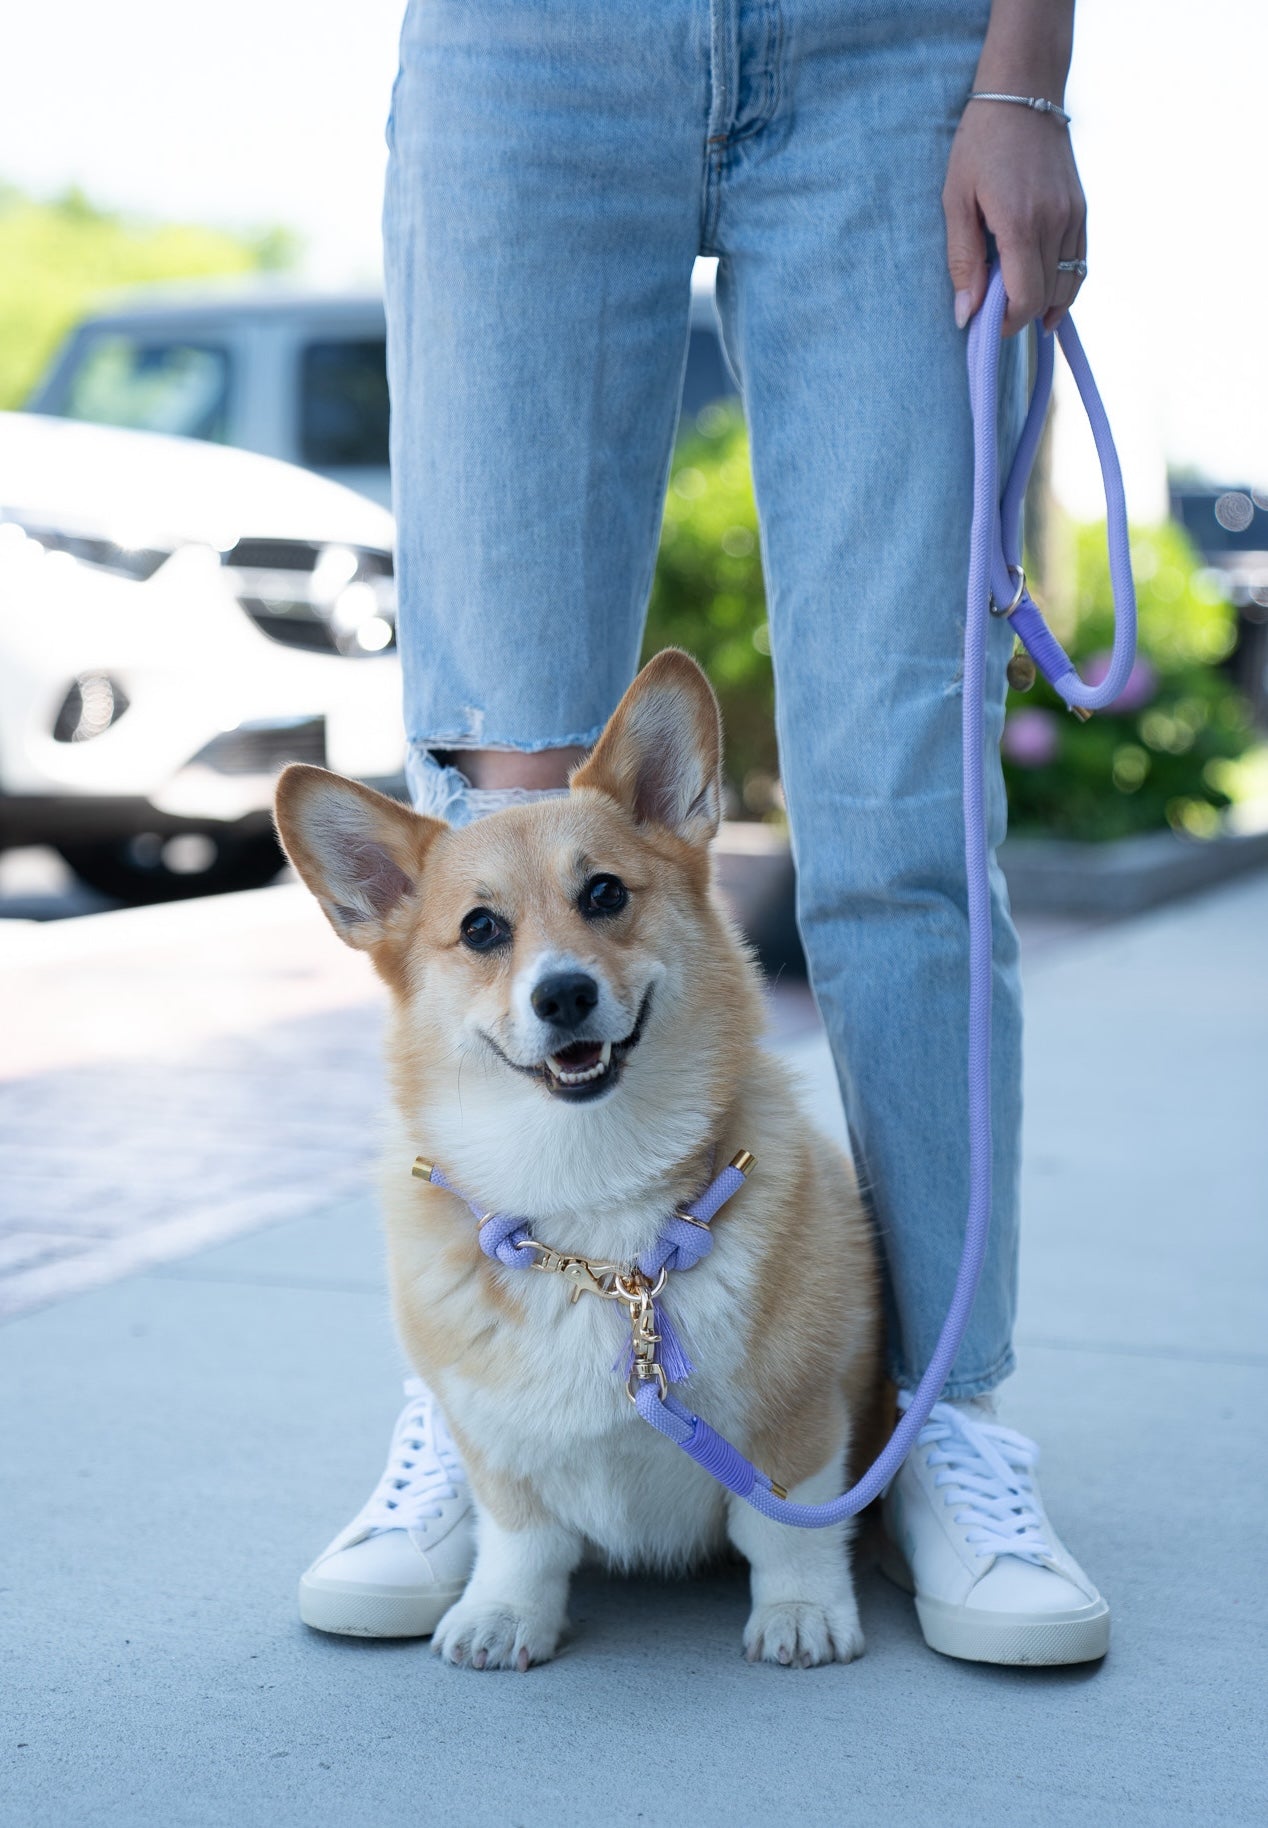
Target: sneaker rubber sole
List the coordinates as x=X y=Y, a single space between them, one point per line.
x=351 y=1611
x=1036 y=1639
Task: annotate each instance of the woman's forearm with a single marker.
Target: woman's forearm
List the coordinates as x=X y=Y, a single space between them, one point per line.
x=1027 y=48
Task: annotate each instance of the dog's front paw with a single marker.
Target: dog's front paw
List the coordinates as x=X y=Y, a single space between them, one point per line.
x=801 y=1633
x=495 y=1635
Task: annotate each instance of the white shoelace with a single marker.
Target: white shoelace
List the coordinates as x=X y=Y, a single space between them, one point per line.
x=423 y=1468
x=988 y=1470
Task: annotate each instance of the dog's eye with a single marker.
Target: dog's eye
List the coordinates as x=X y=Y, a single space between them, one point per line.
x=604 y=895
x=483 y=930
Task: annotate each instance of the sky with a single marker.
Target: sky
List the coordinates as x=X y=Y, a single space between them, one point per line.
x=271 y=111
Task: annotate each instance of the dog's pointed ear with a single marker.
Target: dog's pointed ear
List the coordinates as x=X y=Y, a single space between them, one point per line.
x=359 y=852
x=660 y=756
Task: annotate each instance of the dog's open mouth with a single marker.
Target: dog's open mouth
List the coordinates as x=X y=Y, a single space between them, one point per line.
x=585 y=1069
x=580 y=1063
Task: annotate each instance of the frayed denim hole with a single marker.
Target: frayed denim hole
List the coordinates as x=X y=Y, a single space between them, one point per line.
x=436 y=789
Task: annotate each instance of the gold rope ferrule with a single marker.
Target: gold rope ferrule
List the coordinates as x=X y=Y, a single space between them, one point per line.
x=422 y=1169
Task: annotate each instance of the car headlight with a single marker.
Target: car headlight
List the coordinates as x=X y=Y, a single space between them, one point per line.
x=326 y=597
x=119 y=556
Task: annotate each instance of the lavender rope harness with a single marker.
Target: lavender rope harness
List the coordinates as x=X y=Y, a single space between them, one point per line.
x=996 y=585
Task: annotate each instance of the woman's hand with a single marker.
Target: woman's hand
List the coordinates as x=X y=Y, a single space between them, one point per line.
x=1012 y=171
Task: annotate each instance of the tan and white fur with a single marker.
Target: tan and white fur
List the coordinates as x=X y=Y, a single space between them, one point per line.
x=781 y=1319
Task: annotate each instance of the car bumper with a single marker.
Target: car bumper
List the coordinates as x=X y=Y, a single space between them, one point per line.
x=205 y=690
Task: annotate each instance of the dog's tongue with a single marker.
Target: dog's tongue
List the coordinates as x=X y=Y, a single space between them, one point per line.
x=580 y=1056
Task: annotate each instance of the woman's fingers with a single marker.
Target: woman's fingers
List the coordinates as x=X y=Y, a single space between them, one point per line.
x=1022 y=263
x=1067 y=285
x=966 y=248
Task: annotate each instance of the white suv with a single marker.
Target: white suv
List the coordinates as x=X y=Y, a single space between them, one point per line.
x=177 y=620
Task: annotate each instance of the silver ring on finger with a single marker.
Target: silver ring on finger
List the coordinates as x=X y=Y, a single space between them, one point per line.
x=1073 y=266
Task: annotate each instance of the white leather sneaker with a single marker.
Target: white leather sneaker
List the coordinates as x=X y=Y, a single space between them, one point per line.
x=405 y=1557
x=967 y=1533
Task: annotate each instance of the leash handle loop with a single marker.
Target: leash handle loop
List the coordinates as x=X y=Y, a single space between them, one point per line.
x=1025 y=616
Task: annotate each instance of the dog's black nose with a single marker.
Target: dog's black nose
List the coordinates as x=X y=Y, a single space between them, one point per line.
x=566 y=999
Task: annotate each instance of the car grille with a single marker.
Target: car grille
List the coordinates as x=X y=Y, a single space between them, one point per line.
x=263 y=748
x=325 y=598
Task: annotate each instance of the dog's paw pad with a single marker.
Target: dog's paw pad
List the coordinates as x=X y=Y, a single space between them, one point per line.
x=798 y=1634
x=488 y=1636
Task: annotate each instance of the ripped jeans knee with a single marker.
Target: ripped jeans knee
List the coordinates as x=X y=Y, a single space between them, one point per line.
x=441 y=791
x=436 y=788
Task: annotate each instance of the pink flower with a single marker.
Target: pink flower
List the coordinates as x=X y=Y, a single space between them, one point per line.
x=1032 y=737
x=1142 y=682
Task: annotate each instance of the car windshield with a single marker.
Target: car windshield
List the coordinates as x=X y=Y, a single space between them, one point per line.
x=150 y=384
x=343 y=406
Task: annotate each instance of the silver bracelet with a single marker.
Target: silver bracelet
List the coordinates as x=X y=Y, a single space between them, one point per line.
x=1036 y=102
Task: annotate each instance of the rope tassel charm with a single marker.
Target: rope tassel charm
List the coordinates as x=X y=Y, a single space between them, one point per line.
x=674 y=1361
x=653 y=1349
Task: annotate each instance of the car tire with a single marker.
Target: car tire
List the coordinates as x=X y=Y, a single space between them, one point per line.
x=151 y=866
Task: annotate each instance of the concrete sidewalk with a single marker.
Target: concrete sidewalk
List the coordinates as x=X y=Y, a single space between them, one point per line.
x=178 y=1443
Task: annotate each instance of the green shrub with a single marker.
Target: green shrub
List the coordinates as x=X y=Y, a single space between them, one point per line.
x=1168 y=756
x=708 y=594
x=1159 y=756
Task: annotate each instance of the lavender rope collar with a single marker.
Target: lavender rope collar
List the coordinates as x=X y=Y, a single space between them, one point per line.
x=996 y=586
x=682 y=1243
x=654 y=1350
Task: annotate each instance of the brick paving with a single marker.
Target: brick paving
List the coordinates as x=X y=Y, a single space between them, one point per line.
x=172 y=1076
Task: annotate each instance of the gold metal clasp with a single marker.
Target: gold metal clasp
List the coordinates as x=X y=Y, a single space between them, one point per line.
x=643 y=1374
x=639 y=1295
x=422 y=1169
x=587 y=1277
x=632 y=1286
x=745 y=1161
x=546 y=1258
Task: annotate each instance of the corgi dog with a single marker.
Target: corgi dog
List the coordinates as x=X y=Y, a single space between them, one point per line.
x=575 y=1039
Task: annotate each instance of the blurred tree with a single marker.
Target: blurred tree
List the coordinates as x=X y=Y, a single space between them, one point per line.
x=708 y=594
x=56 y=258
x=1165 y=752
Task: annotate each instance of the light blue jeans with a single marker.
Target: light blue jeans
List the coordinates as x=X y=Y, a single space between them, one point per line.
x=556 y=166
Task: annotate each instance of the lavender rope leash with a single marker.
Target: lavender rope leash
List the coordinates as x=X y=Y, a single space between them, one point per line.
x=995 y=579
x=997 y=586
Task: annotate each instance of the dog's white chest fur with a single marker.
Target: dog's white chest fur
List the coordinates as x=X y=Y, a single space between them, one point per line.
x=571 y=1425
x=556 y=1414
